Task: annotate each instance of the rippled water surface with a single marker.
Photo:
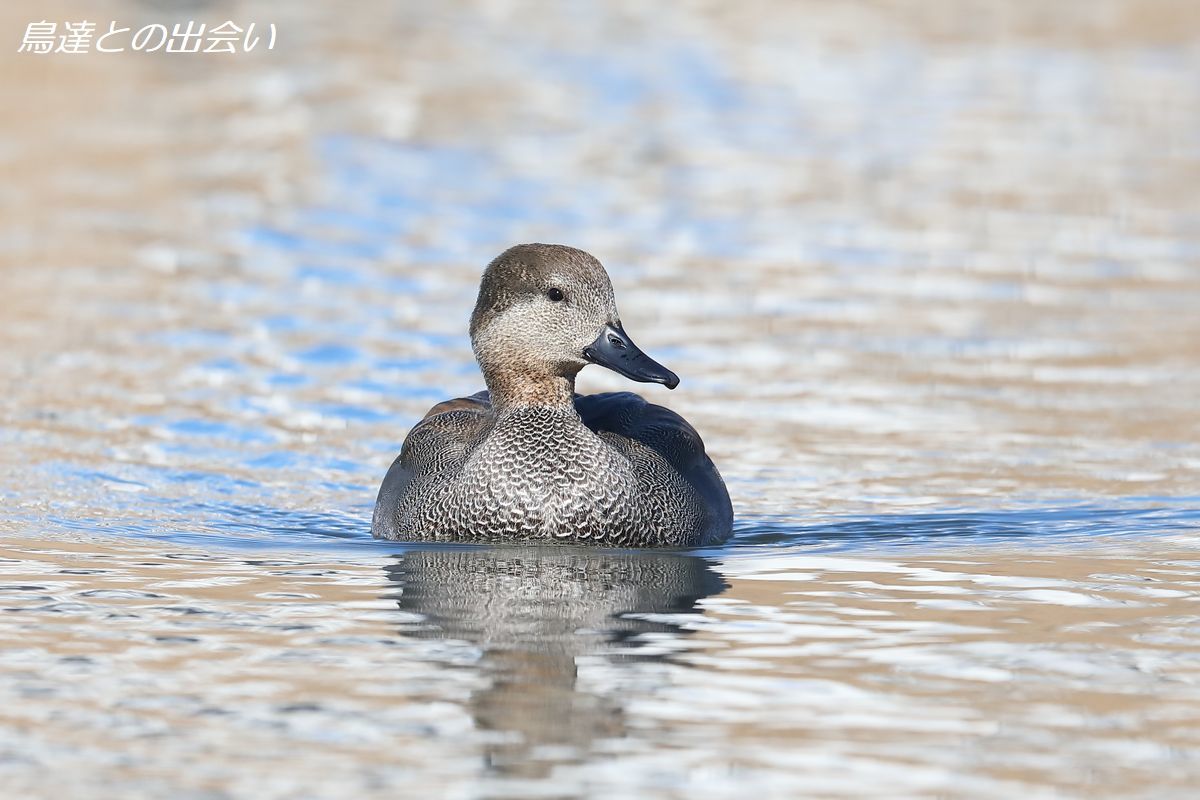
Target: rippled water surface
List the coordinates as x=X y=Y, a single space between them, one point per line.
x=929 y=272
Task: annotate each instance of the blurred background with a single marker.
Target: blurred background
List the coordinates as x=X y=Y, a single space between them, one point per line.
x=900 y=253
x=908 y=258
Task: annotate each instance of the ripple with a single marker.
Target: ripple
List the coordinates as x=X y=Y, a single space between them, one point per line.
x=929 y=277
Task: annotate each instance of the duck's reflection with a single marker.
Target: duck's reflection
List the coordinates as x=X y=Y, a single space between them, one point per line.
x=533 y=612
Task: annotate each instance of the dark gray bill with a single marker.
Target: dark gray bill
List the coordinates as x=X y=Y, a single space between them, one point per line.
x=615 y=350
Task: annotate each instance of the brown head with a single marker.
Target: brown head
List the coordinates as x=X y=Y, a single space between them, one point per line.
x=545 y=312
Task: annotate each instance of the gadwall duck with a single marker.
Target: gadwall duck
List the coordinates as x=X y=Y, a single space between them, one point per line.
x=529 y=459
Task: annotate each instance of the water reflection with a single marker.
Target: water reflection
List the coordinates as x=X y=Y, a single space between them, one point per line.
x=930 y=274
x=534 y=613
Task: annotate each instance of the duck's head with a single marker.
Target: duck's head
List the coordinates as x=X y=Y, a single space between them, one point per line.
x=547 y=311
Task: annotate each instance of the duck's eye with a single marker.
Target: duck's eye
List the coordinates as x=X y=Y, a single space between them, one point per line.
x=555 y=294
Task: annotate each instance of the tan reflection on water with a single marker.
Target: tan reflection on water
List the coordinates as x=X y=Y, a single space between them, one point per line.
x=960 y=269
x=1076 y=675
x=826 y=675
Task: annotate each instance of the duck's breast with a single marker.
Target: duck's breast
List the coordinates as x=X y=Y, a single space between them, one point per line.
x=679 y=479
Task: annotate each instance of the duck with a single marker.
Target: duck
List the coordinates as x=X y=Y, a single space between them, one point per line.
x=529 y=459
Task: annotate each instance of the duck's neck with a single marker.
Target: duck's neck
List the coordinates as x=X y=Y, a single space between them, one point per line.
x=513 y=392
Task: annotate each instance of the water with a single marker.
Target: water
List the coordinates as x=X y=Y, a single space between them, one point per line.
x=929 y=276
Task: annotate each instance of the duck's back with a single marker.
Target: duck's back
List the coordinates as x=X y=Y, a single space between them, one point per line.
x=649 y=482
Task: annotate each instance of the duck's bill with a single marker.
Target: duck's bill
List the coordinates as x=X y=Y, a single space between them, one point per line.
x=614 y=349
